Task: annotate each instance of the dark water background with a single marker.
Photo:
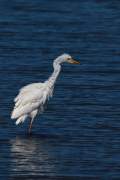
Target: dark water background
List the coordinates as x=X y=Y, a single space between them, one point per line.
x=78 y=136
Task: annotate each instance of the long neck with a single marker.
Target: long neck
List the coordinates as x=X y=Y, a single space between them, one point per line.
x=53 y=77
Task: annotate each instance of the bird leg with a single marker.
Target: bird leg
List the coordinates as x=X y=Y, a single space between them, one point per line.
x=30 y=126
x=32 y=116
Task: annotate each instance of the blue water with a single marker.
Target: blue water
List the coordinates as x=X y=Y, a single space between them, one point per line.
x=78 y=136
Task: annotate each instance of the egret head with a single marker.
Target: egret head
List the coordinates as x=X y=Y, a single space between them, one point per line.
x=66 y=58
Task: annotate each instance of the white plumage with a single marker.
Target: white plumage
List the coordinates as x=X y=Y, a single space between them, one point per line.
x=31 y=98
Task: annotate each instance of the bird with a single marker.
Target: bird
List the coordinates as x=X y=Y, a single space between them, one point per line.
x=31 y=98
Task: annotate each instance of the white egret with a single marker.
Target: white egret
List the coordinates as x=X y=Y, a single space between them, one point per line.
x=31 y=98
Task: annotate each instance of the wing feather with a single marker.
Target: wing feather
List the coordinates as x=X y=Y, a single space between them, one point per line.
x=30 y=98
x=27 y=89
x=26 y=109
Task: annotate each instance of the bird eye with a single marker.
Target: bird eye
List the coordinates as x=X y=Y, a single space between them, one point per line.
x=69 y=58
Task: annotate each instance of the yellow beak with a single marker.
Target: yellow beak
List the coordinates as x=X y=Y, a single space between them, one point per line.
x=72 y=61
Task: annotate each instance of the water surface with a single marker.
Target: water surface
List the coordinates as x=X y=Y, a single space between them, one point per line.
x=78 y=136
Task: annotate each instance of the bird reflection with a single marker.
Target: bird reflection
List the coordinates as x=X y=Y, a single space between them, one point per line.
x=30 y=156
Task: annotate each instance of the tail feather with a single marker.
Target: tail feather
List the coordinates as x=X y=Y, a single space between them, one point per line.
x=21 y=119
